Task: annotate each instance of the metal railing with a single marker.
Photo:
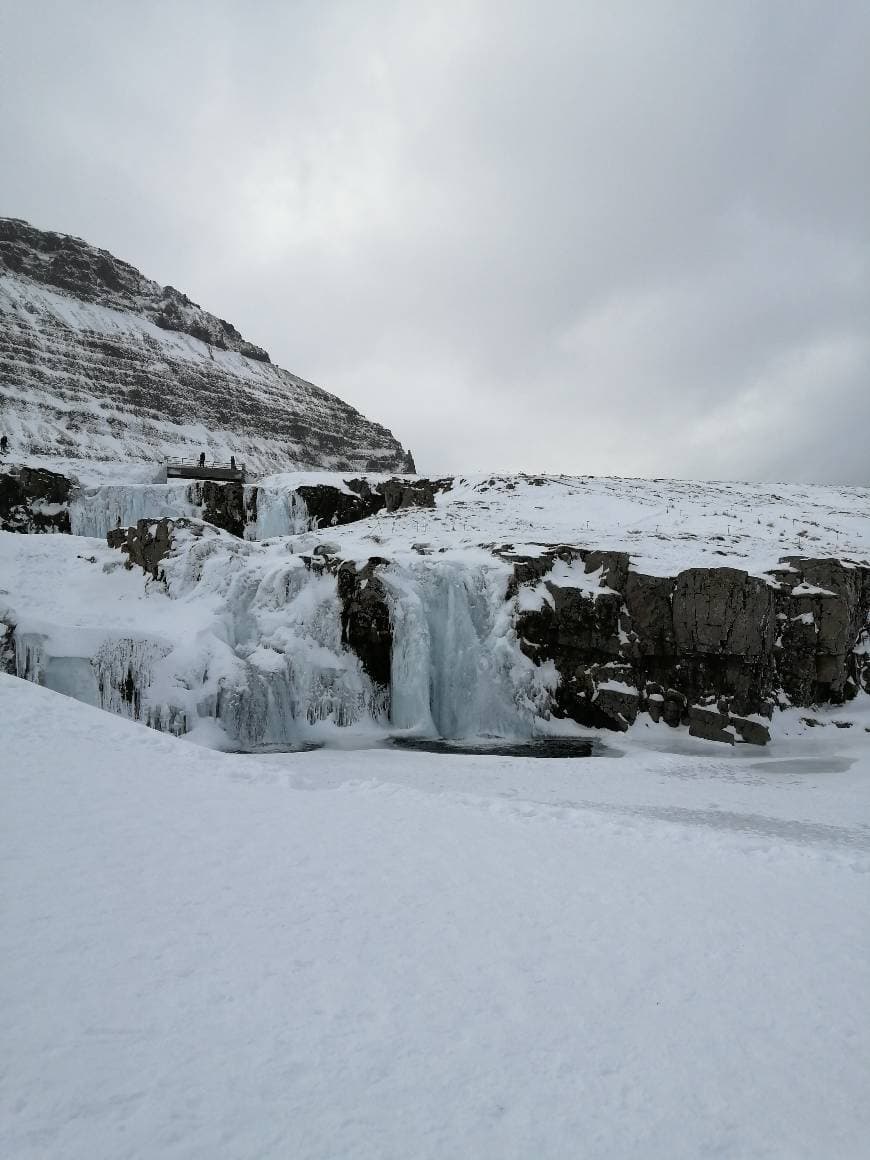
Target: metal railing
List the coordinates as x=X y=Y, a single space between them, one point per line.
x=193 y=469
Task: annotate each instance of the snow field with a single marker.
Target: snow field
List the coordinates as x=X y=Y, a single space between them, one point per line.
x=211 y=955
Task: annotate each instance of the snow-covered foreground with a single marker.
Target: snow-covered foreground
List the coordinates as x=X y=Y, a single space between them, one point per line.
x=387 y=954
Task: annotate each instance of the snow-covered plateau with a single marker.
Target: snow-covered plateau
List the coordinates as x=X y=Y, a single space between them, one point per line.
x=658 y=952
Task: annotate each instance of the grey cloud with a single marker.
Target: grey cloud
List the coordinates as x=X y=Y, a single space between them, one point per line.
x=579 y=237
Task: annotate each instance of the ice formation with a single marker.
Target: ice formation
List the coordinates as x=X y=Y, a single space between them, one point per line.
x=96 y=511
x=456 y=668
x=280 y=512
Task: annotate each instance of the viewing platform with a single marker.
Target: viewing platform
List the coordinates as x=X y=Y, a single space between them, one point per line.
x=191 y=469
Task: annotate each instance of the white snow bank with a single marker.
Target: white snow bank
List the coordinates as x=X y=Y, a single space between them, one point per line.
x=206 y=955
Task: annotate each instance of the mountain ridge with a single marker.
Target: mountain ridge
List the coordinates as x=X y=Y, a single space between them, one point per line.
x=99 y=362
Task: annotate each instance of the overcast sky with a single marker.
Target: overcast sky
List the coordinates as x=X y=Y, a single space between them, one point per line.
x=610 y=237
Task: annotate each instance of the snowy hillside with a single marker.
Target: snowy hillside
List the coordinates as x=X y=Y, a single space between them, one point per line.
x=664 y=524
x=98 y=363
x=399 y=955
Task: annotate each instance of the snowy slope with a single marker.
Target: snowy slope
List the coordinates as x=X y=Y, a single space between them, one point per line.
x=666 y=525
x=207 y=955
x=98 y=363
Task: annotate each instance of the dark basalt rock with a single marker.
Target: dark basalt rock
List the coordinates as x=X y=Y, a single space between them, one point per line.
x=648 y=605
x=7 y=647
x=722 y=611
x=706 y=637
x=34 y=500
x=330 y=506
x=710 y=724
x=673 y=710
x=752 y=732
x=820 y=628
x=399 y=494
x=148 y=542
x=223 y=504
x=365 y=618
x=619 y=705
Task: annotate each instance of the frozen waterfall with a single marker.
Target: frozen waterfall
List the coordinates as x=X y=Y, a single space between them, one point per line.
x=457 y=670
x=280 y=512
x=96 y=511
x=254 y=637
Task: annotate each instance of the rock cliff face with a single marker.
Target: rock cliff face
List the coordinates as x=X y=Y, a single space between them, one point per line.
x=711 y=648
x=98 y=362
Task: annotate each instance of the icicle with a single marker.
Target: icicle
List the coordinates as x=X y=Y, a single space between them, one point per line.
x=30 y=656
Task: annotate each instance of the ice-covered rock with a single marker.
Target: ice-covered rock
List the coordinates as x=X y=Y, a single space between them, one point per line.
x=34 y=500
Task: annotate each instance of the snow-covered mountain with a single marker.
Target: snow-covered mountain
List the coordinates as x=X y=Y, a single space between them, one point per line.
x=99 y=363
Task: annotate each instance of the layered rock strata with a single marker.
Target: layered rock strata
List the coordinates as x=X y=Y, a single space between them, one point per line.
x=98 y=362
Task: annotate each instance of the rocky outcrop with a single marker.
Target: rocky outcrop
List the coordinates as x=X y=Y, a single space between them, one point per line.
x=98 y=362
x=399 y=494
x=225 y=505
x=148 y=543
x=822 y=614
x=34 y=500
x=330 y=506
x=712 y=648
x=365 y=617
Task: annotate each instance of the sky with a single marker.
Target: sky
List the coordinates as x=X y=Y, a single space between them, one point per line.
x=608 y=238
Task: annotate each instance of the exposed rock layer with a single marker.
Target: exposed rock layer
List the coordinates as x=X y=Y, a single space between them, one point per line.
x=99 y=362
x=708 y=637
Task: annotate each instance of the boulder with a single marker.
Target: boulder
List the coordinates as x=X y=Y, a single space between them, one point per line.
x=619 y=704
x=710 y=724
x=751 y=731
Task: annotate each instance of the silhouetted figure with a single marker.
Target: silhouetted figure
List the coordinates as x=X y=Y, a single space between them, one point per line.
x=233 y=462
x=4 y=444
x=202 y=459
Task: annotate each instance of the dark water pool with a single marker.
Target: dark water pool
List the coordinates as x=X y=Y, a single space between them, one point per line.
x=493 y=746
